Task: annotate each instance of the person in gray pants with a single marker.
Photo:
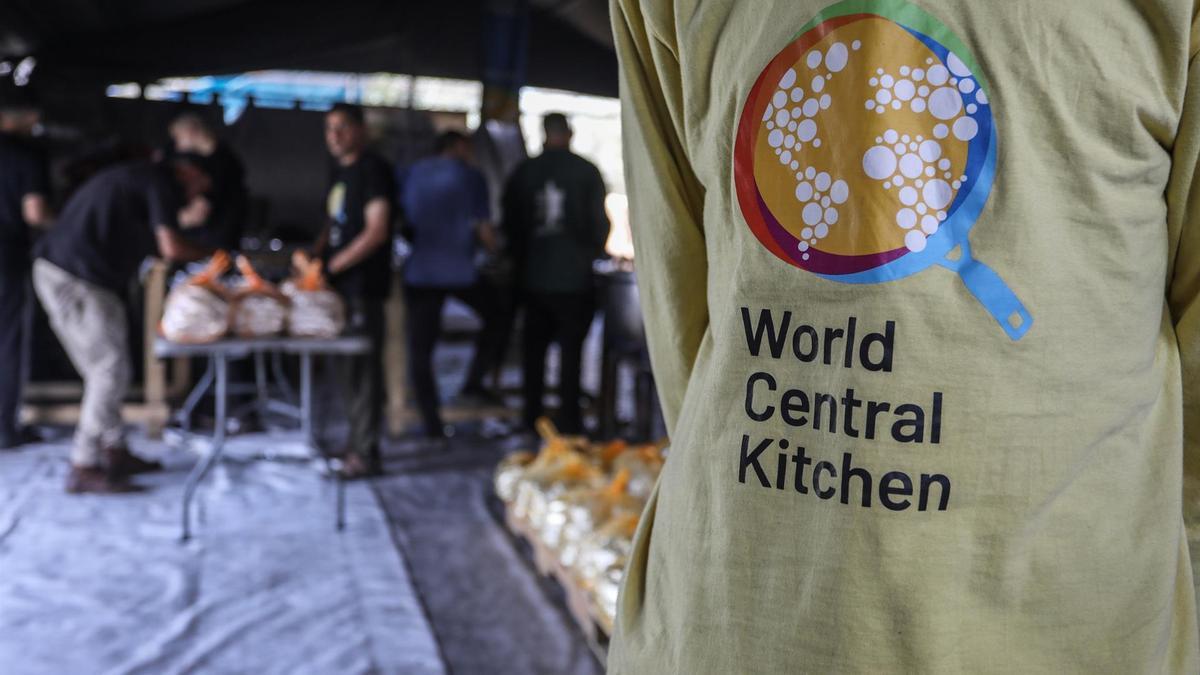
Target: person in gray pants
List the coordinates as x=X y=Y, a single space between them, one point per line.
x=83 y=267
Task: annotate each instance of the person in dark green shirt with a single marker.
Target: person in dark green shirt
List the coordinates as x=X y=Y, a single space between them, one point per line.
x=556 y=225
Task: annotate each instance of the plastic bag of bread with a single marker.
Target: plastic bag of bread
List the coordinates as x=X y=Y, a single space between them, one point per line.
x=554 y=451
x=587 y=510
x=197 y=311
x=259 y=309
x=317 y=310
x=545 y=486
x=509 y=473
x=643 y=463
x=605 y=549
x=558 y=467
x=603 y=594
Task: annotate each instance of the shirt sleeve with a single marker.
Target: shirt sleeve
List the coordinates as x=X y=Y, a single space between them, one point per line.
x=379 y=182
x=1183 y=292
x=665 y=204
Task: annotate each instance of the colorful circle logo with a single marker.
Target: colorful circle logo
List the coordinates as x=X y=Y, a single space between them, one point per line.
x=866 y=151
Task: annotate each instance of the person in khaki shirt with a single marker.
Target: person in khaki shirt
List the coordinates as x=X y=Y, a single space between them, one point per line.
x=920 y=283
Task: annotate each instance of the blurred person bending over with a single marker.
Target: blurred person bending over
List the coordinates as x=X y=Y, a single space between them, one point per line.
x=447 y=216
x=556 y=227
x=24 y=192
x=83 y=268
x=223 y=209
x=356 y=245
x=921 y=283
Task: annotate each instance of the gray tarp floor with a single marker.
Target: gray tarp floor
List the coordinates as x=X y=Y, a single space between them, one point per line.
x=425 y=579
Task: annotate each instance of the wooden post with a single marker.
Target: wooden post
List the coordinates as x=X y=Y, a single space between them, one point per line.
x=395 y=358
x=155 y=371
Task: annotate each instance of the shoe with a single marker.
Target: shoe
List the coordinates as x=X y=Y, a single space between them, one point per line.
x=122 y=462
x=355 y=467
x=95 y=480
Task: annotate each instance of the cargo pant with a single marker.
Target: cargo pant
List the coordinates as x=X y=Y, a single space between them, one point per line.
x=90 y=324
x=361 y=379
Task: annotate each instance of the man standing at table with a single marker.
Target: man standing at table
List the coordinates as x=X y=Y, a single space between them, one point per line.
x=356 y=244
x=556 y=226
x=83 y=268
x=23 y=192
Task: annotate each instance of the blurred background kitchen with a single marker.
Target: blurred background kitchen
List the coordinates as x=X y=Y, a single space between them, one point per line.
x=491 y=536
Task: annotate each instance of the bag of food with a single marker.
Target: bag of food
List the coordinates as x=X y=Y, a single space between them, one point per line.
x=317 y=310
x=559 y=467
x=600 y=565
x=643 y=463
x=509 y=473
x=197 y=311
x=586 y=510
x=259 y=309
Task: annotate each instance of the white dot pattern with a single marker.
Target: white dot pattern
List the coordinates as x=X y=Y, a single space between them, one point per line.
x=925 y=180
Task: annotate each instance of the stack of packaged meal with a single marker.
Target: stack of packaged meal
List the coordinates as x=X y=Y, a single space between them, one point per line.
x=197 y=311
x=259 y=309
x=582 y=502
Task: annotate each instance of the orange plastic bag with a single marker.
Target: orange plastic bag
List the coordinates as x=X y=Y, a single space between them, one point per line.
x=197 y=311
x=259 y=309
x=317 y=311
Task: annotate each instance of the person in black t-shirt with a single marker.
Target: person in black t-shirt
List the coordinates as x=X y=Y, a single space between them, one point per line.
x=223 y=209
x=356 y=245
x=556 y=226
x=23 y=204
x=84 y=264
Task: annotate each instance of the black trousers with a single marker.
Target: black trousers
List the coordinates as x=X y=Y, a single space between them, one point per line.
x=425 y=327
x=361 y=379
x=563 y=318
x=14 y=306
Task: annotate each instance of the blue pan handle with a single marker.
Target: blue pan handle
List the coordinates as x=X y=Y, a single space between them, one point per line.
x=999 y=300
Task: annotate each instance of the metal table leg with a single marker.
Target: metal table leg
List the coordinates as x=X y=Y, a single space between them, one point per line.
x=306 y=429
x=263 y=398
x=193 y=398
x=281 y=379
x=220 y=362
x=306 y=405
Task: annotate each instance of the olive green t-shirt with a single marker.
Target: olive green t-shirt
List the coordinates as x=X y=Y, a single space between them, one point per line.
x=920 y=283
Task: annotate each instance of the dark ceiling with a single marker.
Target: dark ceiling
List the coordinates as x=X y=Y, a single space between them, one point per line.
x=104 y=41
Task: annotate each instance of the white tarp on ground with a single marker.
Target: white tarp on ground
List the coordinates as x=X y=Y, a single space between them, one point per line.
x=101 y=584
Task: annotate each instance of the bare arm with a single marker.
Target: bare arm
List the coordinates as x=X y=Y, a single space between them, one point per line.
x=195 y=213
x=374 y=235
x=35 y=210
x=172 y=246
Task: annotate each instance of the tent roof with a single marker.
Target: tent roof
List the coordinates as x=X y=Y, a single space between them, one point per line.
x=103 y=41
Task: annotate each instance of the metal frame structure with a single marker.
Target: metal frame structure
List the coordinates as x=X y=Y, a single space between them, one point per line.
x=219 y=354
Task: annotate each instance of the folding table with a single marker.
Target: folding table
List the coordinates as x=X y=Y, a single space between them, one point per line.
x=219 y=354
